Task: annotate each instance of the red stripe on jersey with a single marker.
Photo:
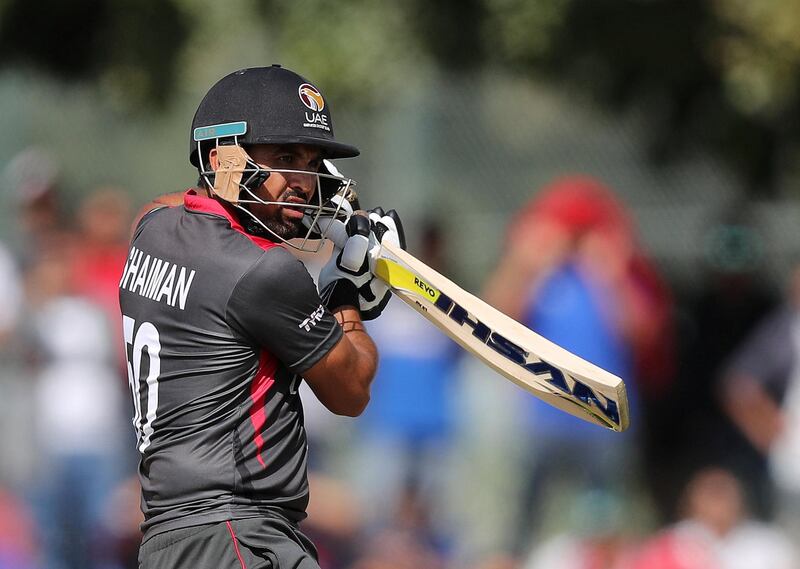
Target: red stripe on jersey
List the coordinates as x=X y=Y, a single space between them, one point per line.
x=195 y=202
x=265 y=377
x=236 y=545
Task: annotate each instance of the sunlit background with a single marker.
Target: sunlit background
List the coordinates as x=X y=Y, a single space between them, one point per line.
x=620 y=175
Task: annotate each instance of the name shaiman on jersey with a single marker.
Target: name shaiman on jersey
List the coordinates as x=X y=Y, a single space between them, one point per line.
x=156 y=279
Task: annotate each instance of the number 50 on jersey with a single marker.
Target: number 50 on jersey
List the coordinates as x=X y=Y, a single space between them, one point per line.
x=536 y=364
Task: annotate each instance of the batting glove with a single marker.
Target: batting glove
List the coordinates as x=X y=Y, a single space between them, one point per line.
x=328 y=225
x=348 y=268
x=374 y=295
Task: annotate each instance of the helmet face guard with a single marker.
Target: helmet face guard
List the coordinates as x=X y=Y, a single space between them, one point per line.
x=237 y=179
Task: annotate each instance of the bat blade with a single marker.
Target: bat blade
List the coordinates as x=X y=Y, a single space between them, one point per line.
x=534 y=363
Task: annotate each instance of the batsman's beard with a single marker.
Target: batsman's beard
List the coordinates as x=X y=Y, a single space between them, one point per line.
x=279 y=223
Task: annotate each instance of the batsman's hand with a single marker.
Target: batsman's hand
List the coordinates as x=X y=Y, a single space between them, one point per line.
x=348 y=268
x=374 y=295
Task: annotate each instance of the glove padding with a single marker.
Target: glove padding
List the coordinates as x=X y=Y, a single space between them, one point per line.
x=374 y=295
x=348 y=268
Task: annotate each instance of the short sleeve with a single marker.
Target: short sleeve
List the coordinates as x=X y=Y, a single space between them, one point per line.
x=275 y=305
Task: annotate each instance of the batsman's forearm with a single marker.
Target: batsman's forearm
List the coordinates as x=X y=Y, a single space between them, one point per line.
x=365 y=362
x=355 y=367
x=341 y=379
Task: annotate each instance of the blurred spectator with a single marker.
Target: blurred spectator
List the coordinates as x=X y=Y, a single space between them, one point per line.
x=79 y=402
x=66 y=393
x=13 y=388
x=32 y=177
x=398 y=548
x=334 y=521
x=404 y=439
x=17 y=540
x=573 y=272
x=715 y=532
x=104 y=219
x=497 y=561
x=733 y=297
x=596 y=538
x=122 y=516
x=28 y=180
x=761 y=391
x=10 y=292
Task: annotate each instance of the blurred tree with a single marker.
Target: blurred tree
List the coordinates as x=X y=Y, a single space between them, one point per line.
x=519 y=33
x=129 y=46
x=759 y=53
x=362 y=51
x=450 y=30
x=721 y=74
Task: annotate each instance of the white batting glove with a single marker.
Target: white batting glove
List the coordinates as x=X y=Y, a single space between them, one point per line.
x=328 y=225
x=348 y=268
x=374 y=295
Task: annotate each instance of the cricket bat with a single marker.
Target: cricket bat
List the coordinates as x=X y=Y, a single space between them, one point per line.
x=531 y=361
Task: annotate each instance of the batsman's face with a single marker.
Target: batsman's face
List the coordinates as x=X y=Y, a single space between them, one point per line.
x=291 y=187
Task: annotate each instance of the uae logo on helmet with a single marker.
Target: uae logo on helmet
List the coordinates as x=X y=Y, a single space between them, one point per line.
x=311 y=97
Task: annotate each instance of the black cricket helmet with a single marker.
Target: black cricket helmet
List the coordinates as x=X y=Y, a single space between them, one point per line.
x=277 y=105
x=268 y=105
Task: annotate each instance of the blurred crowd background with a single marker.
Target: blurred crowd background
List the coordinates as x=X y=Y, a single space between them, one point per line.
x=619 y=175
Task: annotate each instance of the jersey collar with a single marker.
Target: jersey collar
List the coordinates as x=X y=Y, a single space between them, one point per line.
x=195 y=202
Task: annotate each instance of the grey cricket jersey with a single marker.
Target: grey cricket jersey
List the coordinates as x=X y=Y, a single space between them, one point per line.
x=218 y=327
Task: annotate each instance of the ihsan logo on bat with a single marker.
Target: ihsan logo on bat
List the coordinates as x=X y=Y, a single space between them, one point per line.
x=516 y=354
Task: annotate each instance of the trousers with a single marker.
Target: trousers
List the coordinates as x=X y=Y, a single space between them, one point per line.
x=250 y=543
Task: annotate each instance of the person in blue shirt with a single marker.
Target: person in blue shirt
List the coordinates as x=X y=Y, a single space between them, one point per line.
x=573 y=272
